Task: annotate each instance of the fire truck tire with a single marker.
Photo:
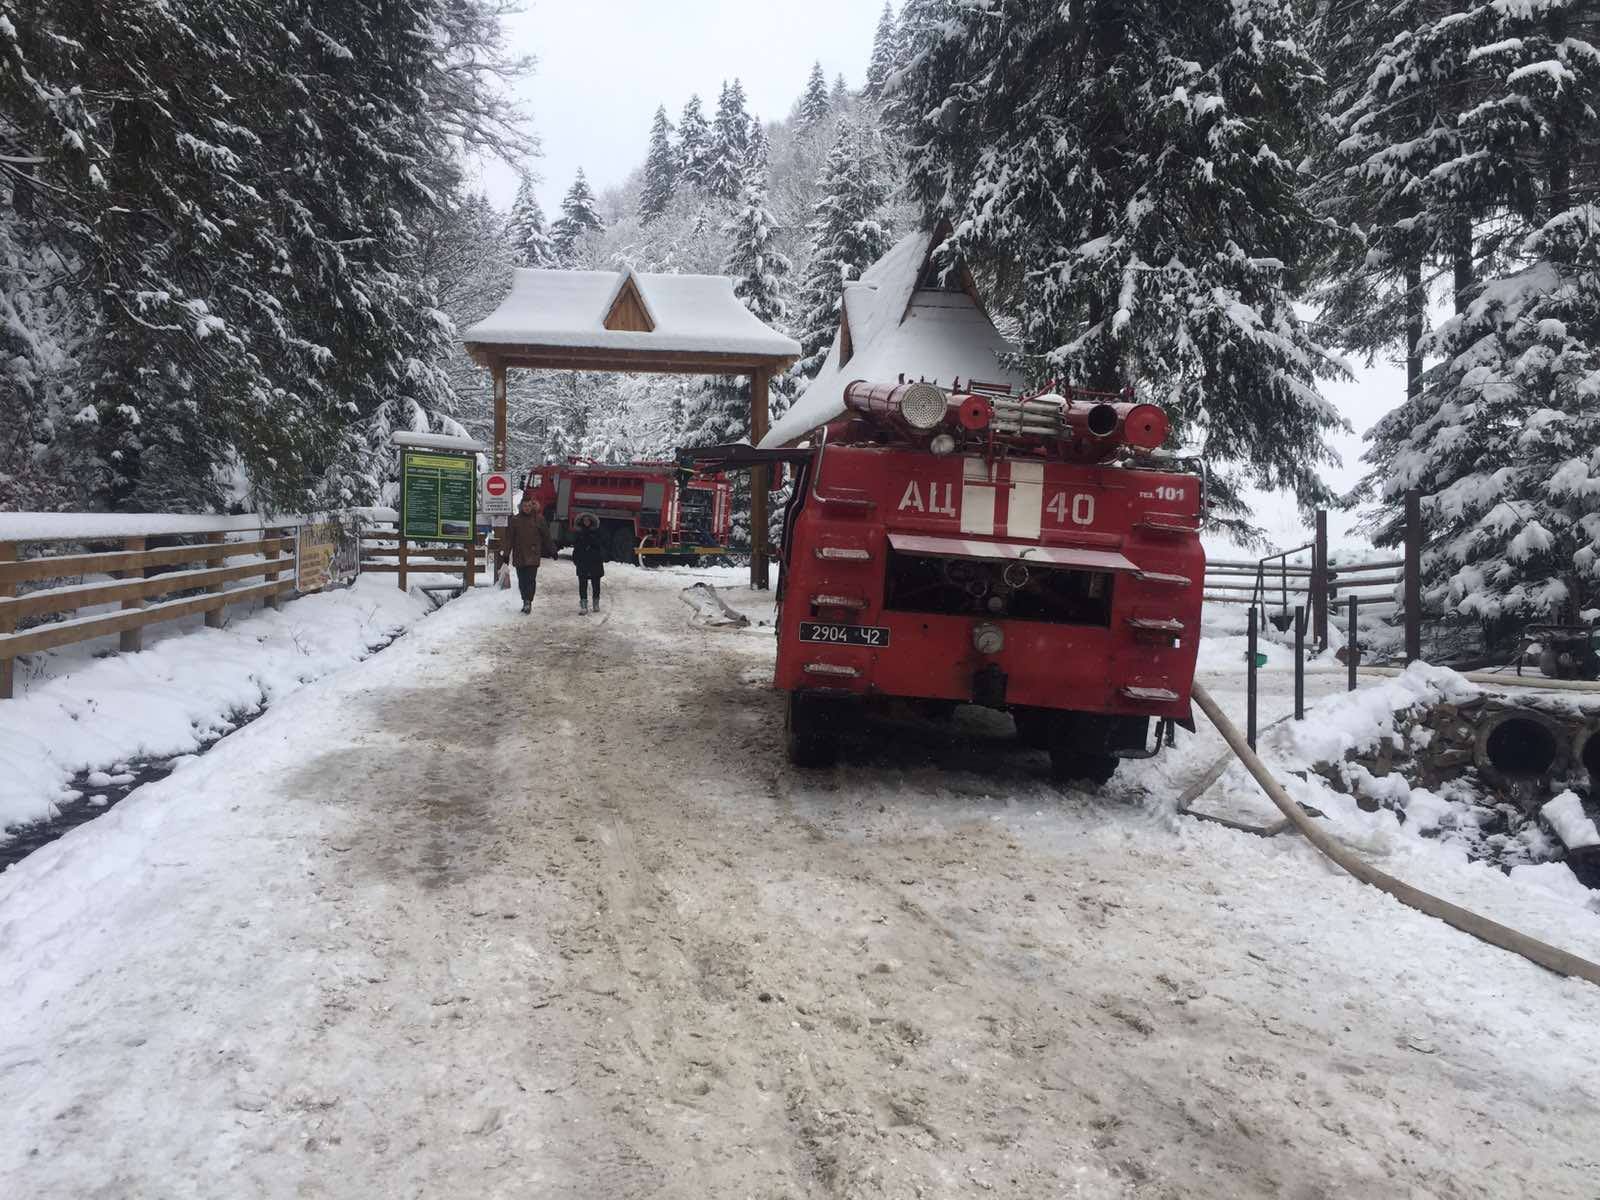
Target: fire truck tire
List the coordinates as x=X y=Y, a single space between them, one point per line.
x=809 y=733
x=1033 y=727
x=1074 y=766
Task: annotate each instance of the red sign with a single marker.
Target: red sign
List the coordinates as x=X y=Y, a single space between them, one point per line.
x=496 y=485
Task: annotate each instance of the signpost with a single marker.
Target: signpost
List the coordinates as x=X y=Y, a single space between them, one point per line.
x=438 y=496
x=497 y=500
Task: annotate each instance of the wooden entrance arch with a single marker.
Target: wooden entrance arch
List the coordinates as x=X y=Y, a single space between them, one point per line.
x=630 y=321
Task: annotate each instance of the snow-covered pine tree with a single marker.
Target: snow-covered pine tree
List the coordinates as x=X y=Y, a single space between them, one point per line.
x=1372 y=178
x=526 y=234
x=759 y=269
x=839 y=97
x=579 y=218
x=757 y=157
x=730 y=144
x=248 y=258
x=847 y=235
x=1504 y=442
x=885 y=53
x=814 y=106
x=660 y=169
x=1139 y=206
x=694 y=143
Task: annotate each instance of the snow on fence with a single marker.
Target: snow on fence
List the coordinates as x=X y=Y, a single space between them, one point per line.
x=241 y=559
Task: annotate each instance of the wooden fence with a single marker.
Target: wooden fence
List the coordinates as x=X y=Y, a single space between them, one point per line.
x=149 y=583
x=385 y=552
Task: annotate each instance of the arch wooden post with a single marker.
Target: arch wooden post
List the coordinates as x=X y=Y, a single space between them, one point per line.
x=759 y=415
x=498 y=372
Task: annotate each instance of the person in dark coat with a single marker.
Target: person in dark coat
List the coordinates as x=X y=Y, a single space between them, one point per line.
x=589 y=556
x=527 y=542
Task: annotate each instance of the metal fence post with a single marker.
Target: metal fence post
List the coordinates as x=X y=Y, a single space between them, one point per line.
x=1299 y=662
x=1413 y=575
x=1353 y=652
x=1250 y=658
x=1319 y=582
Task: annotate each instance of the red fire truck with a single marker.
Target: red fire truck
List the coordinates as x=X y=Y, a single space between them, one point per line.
x=651 y=512
x=1029 y=554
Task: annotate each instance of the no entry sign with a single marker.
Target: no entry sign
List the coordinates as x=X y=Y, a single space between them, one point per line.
x=497 y=499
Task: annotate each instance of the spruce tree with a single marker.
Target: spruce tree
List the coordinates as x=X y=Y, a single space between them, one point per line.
x=694 y=143
x=885 y=53
x=579 y=218
x=848 y=234
x=1503 y=441
x=660 y=169
x=814 y=106
x=757 y=156
x=839 y=97
x=730 y=144
x=525 y=230
x=1139 y=206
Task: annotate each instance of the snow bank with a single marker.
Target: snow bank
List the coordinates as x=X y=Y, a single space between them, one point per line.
x=182 y=691
x=80 y=527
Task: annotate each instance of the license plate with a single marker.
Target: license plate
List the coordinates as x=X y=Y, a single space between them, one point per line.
x=844 y=635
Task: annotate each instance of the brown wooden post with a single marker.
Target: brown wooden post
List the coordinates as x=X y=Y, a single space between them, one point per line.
x=759 y=416
x=8 y=623
x=131 y=641
x=472 y=561
x=498 y=374
x=1413 y=575
x=1319 y=582
x=402 y=559
x=276 y=599
x=214 y=617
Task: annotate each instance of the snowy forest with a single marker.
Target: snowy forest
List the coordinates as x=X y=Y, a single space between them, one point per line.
x=240 y=240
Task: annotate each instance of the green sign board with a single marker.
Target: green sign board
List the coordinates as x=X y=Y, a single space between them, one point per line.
x=438 y=495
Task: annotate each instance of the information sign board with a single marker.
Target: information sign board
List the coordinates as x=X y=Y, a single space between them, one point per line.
x=438 y=496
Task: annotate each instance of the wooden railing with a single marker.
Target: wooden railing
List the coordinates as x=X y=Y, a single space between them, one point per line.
x=205 y=567
x=385 y=552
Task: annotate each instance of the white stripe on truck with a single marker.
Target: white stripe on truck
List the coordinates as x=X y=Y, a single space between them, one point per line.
x=1027 y=499
x=977 y=497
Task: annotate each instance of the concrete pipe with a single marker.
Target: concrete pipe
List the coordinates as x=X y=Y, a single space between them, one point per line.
x=1519 y=746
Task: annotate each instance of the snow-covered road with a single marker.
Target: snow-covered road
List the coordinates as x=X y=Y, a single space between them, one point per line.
x=533 y=907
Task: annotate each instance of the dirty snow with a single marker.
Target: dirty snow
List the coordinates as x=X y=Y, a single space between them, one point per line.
x=532 y=906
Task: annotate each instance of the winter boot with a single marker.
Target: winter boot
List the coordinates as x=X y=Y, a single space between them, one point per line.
x=583 y=608
x=527 y=608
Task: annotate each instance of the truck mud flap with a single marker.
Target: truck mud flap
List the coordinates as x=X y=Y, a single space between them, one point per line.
x=989 y=687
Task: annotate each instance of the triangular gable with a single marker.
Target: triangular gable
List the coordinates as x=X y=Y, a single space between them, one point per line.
x=628 y=311
x=954 y=277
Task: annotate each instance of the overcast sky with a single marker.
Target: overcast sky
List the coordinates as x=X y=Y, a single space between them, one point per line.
x=604 y=66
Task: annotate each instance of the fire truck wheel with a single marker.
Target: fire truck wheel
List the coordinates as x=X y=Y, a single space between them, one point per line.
x=809 y=732
x=1073 y=766
x=1033 y=727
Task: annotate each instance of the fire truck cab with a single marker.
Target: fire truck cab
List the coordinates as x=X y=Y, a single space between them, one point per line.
x=1030 y=555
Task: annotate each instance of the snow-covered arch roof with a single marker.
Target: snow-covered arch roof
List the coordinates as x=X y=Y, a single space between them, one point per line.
x=589 y=315
x=897 y=320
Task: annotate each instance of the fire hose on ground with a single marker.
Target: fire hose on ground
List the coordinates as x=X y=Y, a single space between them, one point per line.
x=1545 y=955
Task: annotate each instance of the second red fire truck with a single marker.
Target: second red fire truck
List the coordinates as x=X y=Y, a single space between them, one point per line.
x=651 y=512
x=1029 y=554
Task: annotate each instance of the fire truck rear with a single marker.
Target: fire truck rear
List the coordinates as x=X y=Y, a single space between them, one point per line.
x=1026 y=554
x=650 y=512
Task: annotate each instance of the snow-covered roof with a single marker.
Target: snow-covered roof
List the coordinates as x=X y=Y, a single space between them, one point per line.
x=689 y=314
x=897 y=328
x=437 y=441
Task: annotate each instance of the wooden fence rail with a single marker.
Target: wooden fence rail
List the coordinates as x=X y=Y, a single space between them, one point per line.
x=412 y=557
